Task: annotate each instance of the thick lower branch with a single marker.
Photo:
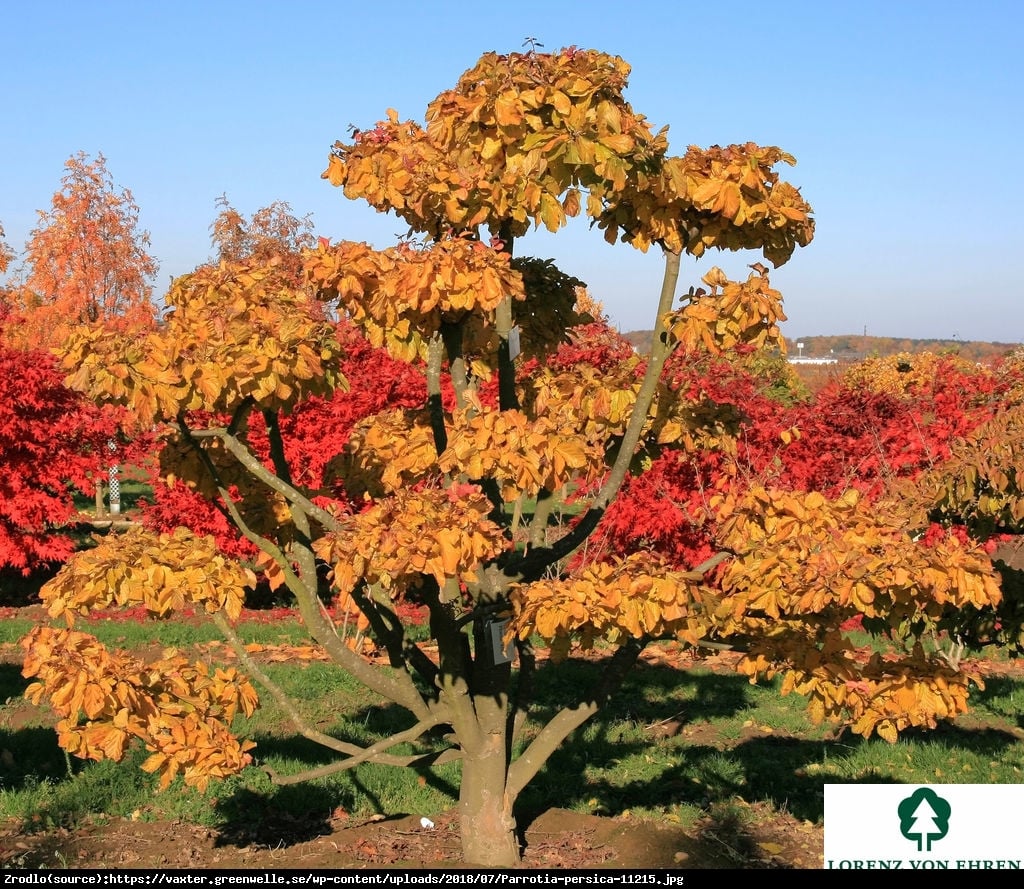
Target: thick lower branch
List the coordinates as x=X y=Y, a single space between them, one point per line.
x=373 y=753
x=256 y=468
x=507 y=398
x=451 y=334
x=533 y=564
x=413 y=761
x=454 y=677
x=389 y=631
x=520 y=707
x=435 y=357
x=541 y=516
x=286 y=704
x=281 y=468
x=397 y=687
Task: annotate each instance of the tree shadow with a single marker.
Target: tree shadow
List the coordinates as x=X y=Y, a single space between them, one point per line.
x=649 y=693
x=12 y=683
x=29 y=754
x=785 y=772
x=293 y=813
x=694 y=764
x=18 y=590
x=287 y=815
x=1000 y=696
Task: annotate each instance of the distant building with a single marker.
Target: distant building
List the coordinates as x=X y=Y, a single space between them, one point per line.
x=813 y=360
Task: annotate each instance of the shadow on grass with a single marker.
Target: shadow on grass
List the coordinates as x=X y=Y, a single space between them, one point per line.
x=12 y=683
x=29 y=755
x=612 y=764
x=18 y=590
x=1002 y=696
x=285 y=816
x=593 y=770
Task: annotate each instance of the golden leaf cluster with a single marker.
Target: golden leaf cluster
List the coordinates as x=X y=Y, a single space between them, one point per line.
x=634 y=597
x=397 y=167
x=695 y=424
x=513 y=143
x=233 y=332
x=903 y=373
x=981 y=483
x=182 y=461
x=395 y=449
x=534 y=138
x=401 y=296
x=731 y=316
x=1010 y=373
x=522 y=455
x=163 y=573
x=727 y=198
x=392 y=449
x=799 y=554
x=596 y=403
x=803 y=564
x=443 y=533
x=105 y=699
x=880 y=695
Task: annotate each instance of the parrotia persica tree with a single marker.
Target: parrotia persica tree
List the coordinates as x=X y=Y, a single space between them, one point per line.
x=436 y=496
x=87 y=260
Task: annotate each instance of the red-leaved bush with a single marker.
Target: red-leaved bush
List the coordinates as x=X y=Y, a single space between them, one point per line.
x=52 y=442
x=885 y=419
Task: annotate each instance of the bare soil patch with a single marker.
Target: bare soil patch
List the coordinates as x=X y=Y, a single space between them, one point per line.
x=556 y=839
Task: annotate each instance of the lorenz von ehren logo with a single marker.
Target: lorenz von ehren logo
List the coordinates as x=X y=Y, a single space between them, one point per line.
x=924 y=817
x=921 y=827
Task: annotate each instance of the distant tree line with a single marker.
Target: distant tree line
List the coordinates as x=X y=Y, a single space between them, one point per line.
x=853 y=347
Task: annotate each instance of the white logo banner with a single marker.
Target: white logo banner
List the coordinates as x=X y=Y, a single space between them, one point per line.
x=924 y=826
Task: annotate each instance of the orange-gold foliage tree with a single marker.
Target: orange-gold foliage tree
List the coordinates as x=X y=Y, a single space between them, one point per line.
x=87 y=261
x=522 y=140
x=5 y=253
x=273 y=235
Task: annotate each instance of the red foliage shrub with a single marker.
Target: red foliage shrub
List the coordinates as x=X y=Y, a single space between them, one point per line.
x=52 y=443
x=862 y=431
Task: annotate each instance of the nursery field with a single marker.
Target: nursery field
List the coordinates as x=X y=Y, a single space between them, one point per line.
x=573 y=604
x=691 y=766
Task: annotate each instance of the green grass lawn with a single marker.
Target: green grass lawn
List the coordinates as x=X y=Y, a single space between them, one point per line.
x=675 y=744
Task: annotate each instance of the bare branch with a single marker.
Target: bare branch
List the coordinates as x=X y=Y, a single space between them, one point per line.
x=373 y=753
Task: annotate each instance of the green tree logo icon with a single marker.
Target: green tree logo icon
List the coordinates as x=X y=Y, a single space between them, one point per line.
x=924 y=816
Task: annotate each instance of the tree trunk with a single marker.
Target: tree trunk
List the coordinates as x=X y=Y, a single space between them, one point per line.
x=485 y=813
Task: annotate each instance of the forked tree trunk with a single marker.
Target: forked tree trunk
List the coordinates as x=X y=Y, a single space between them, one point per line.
x=485 y=813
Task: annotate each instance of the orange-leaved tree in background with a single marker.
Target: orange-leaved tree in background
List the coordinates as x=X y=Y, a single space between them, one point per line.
x=6 y=254
x=87 y=261
x=273 y=235
x=443 y=494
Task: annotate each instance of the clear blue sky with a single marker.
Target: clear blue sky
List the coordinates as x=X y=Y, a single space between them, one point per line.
x=906 y=118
